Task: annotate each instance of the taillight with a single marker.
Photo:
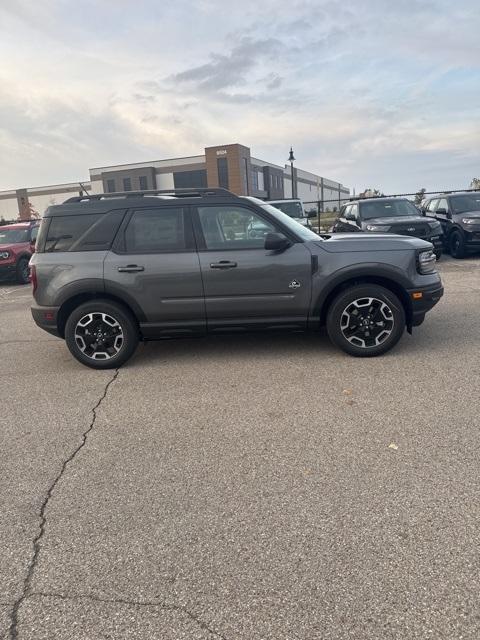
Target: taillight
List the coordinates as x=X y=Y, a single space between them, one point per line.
x=33 y=278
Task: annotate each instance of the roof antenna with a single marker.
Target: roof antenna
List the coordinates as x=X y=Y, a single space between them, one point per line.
x=83 y=189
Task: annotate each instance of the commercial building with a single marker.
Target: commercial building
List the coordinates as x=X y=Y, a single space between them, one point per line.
x=229 y=166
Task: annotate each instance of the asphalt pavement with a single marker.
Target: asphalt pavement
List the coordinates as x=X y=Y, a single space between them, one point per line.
x=261 y=487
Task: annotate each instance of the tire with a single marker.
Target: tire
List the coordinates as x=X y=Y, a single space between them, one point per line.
x=22 y=275
x=112 y=323
x=372 y=304
x=456 y=244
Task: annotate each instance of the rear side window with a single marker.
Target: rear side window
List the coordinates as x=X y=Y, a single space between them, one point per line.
x=156 y=231
x=85 y=232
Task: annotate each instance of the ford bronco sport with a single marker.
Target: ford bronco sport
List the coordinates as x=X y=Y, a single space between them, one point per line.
x=17 y=243
x=113 y=269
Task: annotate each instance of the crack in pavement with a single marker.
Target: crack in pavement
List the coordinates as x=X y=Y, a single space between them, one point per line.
x=13 y=629
x=132 y=603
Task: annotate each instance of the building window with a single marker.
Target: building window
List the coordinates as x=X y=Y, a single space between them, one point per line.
x=247 y=181
x=190 y=179
x=127 y=184
x=110 y=186
x=143 y=183
x=222 y=168
x=255 y=180
x=261 y=181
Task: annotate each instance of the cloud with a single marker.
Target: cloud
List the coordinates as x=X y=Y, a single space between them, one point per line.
x=229 y=70
x=365 y=95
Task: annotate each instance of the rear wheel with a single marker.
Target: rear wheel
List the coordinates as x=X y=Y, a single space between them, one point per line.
x=366 y=320
x=22 y=273
x=457 y=245
x=101 y=334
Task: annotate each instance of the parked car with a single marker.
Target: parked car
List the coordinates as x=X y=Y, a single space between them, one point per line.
x=389 y=215
x=459 y=216
x=109 y=271
x=293 y=208
x=17 y=244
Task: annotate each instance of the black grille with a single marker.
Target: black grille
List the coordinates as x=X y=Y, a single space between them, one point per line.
x=414 y=229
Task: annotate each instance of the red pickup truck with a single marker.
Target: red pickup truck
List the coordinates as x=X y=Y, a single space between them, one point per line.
x=17 y=243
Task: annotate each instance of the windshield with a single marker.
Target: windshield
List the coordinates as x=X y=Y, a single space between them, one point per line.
x=13 y=236
x=387 y=209
x=292 y=209
x=462 y=204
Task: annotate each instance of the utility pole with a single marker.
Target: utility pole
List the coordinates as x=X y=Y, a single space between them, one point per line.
x=291 y=159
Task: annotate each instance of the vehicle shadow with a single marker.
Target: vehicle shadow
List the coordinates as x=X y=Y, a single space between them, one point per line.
x=428 y=339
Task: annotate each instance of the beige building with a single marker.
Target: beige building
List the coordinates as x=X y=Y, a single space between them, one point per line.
x=230 y=166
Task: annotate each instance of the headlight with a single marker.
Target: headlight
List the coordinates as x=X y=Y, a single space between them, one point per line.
x=426 y=262
x=377 y=227
x=4 y=255
x=471 y=220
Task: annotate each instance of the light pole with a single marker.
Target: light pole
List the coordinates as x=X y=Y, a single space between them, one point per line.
x=291 y=159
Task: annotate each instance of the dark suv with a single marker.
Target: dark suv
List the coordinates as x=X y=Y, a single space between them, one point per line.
x=459 y=215
x=110 y=270
x=389 y=215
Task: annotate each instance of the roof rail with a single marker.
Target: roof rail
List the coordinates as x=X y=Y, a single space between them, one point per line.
x=174 y=193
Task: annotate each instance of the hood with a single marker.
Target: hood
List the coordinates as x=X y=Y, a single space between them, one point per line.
x=469 y=214
x=341 y=242
x=391 y=220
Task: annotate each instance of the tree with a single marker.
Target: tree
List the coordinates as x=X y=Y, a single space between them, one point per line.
x=420 y=195
x=370 y=193
x=475 y=183
x=27 y=210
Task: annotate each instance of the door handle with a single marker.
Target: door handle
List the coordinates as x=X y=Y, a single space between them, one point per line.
x=130 y=268
x=223 y=264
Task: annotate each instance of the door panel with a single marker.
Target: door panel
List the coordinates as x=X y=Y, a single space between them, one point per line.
x=157 y=268
x=246 y=285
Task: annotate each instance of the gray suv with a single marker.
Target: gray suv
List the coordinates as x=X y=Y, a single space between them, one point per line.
x=112 y=269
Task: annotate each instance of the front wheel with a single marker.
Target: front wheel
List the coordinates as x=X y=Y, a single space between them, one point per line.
x=457 y=245
x=366 y=320
x=101 y=334
x=22 y=273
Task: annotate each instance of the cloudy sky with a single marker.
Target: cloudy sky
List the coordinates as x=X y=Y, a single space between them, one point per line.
x=377 y=93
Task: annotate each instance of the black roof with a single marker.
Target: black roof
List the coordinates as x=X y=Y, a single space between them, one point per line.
x=445 y=194
x=103 y=202
x=379 y=199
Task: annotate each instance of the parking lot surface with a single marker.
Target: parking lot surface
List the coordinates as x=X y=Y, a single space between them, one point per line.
x=249 y=487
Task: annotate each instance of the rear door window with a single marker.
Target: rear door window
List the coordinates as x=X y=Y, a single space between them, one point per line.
x=159 y=230
x=85 y=232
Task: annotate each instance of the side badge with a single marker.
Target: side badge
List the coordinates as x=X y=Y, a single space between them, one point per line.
x=294 y=284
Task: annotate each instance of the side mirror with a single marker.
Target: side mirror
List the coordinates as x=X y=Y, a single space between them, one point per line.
x=276 y=242
x=32 y=245
x=350 y=216
x=442 y=211
x=312 y=214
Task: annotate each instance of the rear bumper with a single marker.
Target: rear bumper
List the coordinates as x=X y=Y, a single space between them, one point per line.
x=430 y=295
x=46 y=319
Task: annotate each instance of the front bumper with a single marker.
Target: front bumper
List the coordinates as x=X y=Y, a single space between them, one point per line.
x=46 y=319
x=422 y=300
x=7 y=270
